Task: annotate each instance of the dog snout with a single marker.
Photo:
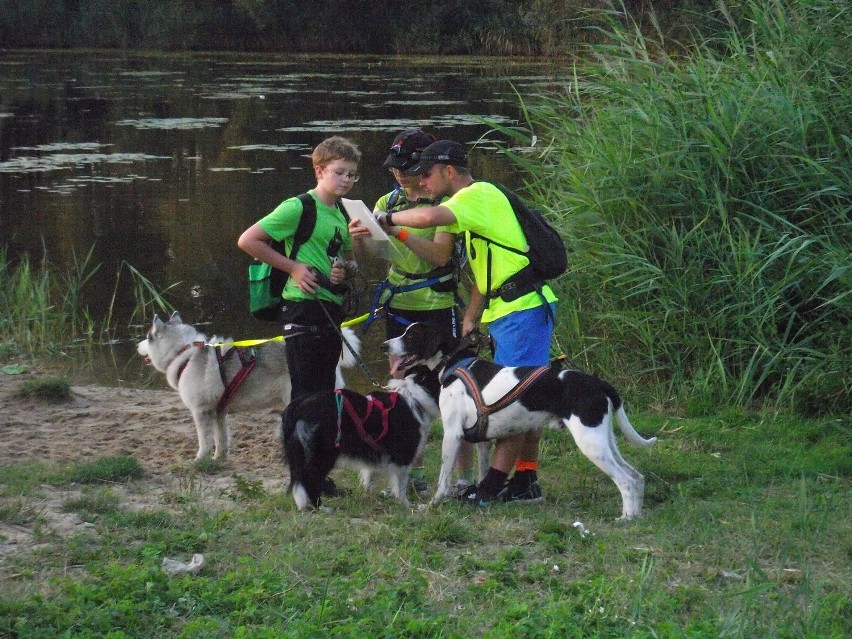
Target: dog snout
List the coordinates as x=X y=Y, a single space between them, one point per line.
x=386 y=346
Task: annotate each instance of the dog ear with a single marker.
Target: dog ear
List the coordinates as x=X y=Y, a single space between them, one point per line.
x=175 y=318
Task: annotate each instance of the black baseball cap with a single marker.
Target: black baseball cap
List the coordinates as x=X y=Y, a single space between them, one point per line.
x=440 y=152
x=406 y=148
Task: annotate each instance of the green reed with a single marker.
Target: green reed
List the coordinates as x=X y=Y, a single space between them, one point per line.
x=39 y=308
x=705 y=198
x=43 y=309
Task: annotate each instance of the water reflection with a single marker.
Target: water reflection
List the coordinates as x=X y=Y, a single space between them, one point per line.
x=161 y=161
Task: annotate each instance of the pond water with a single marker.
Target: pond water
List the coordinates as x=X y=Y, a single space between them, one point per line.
x=160 y=162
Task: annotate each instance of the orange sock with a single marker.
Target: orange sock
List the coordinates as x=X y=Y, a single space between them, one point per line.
x=521 y=466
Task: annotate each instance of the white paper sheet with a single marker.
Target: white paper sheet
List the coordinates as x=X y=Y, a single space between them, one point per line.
x=378 y=242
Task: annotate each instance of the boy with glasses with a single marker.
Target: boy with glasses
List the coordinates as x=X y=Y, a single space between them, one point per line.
x=312 y=307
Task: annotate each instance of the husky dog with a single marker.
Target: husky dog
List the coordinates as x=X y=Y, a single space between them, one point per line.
x=215 y=381
x=480 y=401
x=381 y=432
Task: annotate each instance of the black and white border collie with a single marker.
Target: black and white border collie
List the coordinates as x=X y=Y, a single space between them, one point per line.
x=558 y=398
x=381 y=432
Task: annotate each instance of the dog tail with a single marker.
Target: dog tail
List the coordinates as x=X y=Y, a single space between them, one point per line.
x=624 y=424
x=347 y=357
x=296 y=454
x=629 y=432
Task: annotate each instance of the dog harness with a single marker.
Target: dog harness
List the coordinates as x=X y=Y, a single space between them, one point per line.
x=181 y=352
x=436 y=276
x=463 y=371
x=372 y=402
x=247 y=364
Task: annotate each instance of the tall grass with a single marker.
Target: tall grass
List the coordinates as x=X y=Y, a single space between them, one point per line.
x=43 y=310
x=39 y=308
x=706 y=201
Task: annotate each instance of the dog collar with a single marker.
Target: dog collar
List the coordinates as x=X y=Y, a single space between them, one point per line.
x=181 y=352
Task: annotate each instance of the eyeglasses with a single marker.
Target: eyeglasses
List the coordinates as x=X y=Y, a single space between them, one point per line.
x=345 y=174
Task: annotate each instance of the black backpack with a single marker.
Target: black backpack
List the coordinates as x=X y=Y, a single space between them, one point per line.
x=545 y=251
x=266 y=283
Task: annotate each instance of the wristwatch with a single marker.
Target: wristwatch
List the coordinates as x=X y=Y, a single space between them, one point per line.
x=389 y=218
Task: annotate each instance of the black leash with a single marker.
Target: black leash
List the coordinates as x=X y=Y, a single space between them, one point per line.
x=357 y=357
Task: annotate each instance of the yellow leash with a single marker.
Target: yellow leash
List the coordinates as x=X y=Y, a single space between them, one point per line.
x=280 y=338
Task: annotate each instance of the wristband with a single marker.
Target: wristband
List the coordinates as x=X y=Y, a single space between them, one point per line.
x=389 y=218
x=402 y=235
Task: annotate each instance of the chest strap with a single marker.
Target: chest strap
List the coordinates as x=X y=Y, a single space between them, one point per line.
x=462 y=370
x=182 y=367
x=247 y=364
x=372 y=402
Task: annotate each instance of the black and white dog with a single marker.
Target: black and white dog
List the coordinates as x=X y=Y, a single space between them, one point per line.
x=550 y=396
x=381 y=432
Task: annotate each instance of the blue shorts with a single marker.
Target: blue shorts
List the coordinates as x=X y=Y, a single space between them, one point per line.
x=523 y=338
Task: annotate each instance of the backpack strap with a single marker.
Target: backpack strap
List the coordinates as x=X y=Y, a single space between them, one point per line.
x=520 y=283
x=307 y=224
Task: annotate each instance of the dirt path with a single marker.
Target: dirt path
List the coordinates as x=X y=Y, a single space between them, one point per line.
x=151 y=425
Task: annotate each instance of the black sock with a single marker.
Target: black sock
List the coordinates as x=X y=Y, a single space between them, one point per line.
x=493 y=481
x=528 y=476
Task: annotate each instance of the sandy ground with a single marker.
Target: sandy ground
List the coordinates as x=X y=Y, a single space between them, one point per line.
x=151 y=425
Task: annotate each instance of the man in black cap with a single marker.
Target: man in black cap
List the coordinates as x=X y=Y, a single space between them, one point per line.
x=521 y=327
x=422 y=279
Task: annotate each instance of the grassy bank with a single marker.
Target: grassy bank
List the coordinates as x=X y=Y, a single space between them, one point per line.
x=706 y=201
x=745 y=534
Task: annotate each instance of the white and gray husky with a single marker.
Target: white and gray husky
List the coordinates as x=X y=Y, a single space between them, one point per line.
x=206 y=377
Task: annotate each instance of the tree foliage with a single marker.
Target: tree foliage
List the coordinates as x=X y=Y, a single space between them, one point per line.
x=458 y=27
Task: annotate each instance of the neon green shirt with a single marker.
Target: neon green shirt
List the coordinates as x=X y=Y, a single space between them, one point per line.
x=406 y=261
x=483 y=209
x=330 y=239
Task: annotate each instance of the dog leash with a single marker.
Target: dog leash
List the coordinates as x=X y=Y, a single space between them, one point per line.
x=355 y=354
x=562 y=359
x=280 y=338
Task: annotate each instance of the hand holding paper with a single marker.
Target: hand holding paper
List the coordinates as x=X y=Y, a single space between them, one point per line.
x=378 y=240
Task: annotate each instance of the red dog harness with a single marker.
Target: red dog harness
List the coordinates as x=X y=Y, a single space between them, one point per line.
x=247 y=365
x=372 y=402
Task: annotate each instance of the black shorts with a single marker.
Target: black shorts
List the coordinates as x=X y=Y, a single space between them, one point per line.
x=446 y=320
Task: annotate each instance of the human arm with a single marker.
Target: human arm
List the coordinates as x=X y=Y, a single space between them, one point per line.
x=473 y=311
x=419 y=218
x=436 y=251
x=255 y=242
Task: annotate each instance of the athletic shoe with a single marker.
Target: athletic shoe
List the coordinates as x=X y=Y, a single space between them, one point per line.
x=477 y=496
x=459 y=487
x=522 y=489
x=419 y=486
x=330 y=489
